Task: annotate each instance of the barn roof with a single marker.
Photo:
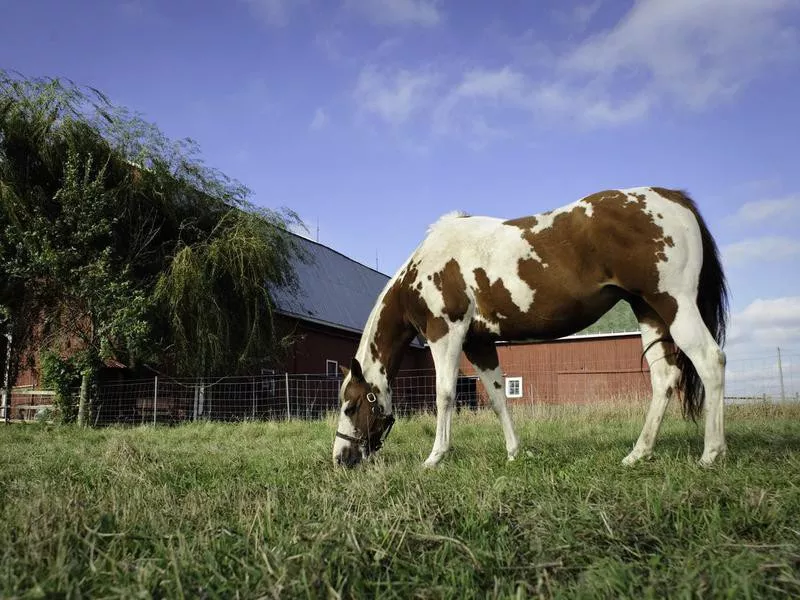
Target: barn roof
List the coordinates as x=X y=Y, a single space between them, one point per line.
x=333 y=289
x=337 y=291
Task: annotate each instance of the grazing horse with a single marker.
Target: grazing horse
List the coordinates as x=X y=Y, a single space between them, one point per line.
x=475 y=280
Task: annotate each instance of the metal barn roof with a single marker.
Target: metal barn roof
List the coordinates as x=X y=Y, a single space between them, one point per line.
x=333 y=289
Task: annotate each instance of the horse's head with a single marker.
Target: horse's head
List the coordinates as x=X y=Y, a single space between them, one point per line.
x=363 y=422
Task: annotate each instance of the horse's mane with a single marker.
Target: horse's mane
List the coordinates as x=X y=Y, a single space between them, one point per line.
x=455 y=214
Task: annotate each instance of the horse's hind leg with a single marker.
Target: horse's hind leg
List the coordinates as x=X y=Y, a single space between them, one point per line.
x=483 y=356
x=694 y=339
x=664 y=376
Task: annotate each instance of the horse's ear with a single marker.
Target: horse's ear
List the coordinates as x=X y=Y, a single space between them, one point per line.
x=344 y=370
x=355 y=370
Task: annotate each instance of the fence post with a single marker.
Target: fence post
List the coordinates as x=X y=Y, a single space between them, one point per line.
x=780 y=373
x=288 y=407
x=254 y=398
x=6 y=397
x=83 y=401
x=155 y=399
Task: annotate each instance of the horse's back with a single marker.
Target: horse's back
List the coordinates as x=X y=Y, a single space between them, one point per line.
x=559 y=270
x=604 y=224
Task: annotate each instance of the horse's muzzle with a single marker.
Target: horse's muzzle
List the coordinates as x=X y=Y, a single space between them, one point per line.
x=349 y=456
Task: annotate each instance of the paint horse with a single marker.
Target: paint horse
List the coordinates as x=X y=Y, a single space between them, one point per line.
x=475 y=280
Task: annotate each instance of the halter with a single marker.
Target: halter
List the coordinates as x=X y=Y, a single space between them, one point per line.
x=388 y=422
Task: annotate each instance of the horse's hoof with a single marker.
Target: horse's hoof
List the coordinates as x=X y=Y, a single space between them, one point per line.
x=709 y=458
x=431 y=463
x=512 y=454
x=635 y=457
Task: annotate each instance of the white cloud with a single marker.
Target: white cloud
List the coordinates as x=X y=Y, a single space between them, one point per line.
x=319 y=120
x=577 y=16
x=479 y=133
x=680 y=54
x=503 y=83
x=767 y=248
x=393 y=96
x=583 y=13
x=273 y=12
x=693 y=53
x=775 y=312
x=587 y=107
x=768 y=322
x=398 y=12
x=507 y=88
x=763 y=210
x=755 y=334
x=478 y=86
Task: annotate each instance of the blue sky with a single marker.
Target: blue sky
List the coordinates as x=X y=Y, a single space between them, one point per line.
x=371 y=118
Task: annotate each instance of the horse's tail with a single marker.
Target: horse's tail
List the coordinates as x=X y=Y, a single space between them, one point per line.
x=712 y=301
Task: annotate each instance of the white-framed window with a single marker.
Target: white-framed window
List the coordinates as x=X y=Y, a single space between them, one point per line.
x=332 y=368
x=513 y=387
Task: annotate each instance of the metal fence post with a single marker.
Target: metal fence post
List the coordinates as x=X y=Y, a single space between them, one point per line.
x=155 y=399
x=288 y=407
x=254 y=398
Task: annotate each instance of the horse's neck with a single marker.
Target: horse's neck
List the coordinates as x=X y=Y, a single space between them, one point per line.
x=385 y=339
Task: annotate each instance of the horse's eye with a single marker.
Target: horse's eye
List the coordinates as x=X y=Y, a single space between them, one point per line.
x=350 y=408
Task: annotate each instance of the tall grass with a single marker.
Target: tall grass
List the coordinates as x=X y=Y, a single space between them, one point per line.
x=257 y=510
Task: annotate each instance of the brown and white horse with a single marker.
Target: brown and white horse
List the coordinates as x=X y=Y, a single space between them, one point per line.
x=475 y=280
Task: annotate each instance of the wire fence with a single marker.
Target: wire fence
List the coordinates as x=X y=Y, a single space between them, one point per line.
x=161 y=400
x=764 y=378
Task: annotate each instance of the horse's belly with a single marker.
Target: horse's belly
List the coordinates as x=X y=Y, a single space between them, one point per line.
x=550 y=317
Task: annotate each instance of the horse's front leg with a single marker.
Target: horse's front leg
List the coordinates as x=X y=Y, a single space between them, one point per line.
x=445 y=391
x=446 y=352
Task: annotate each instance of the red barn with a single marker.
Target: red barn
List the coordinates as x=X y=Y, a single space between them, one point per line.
x=326 y=316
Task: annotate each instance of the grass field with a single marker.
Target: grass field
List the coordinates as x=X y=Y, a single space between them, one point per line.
x=257 y=510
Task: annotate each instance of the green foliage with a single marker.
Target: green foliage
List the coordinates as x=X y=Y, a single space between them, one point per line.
x=619 y=318
x=223 y=275
x=124 y=242
x=62 y=376
x=257 y=510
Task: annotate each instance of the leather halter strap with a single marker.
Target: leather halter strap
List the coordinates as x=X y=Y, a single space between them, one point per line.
x=365 y=441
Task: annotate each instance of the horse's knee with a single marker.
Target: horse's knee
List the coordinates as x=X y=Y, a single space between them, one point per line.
x=443 y=404
x=445 y=397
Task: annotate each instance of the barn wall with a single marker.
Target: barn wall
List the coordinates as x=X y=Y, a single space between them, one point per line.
x=575 y=370
x=319 y=343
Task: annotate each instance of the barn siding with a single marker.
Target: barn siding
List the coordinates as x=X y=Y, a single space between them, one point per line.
x=319 y=343
x=575 y=370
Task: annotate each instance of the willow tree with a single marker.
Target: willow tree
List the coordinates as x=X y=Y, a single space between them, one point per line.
x=122 y=239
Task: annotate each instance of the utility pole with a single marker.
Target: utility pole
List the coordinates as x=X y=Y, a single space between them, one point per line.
x=780 y=374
